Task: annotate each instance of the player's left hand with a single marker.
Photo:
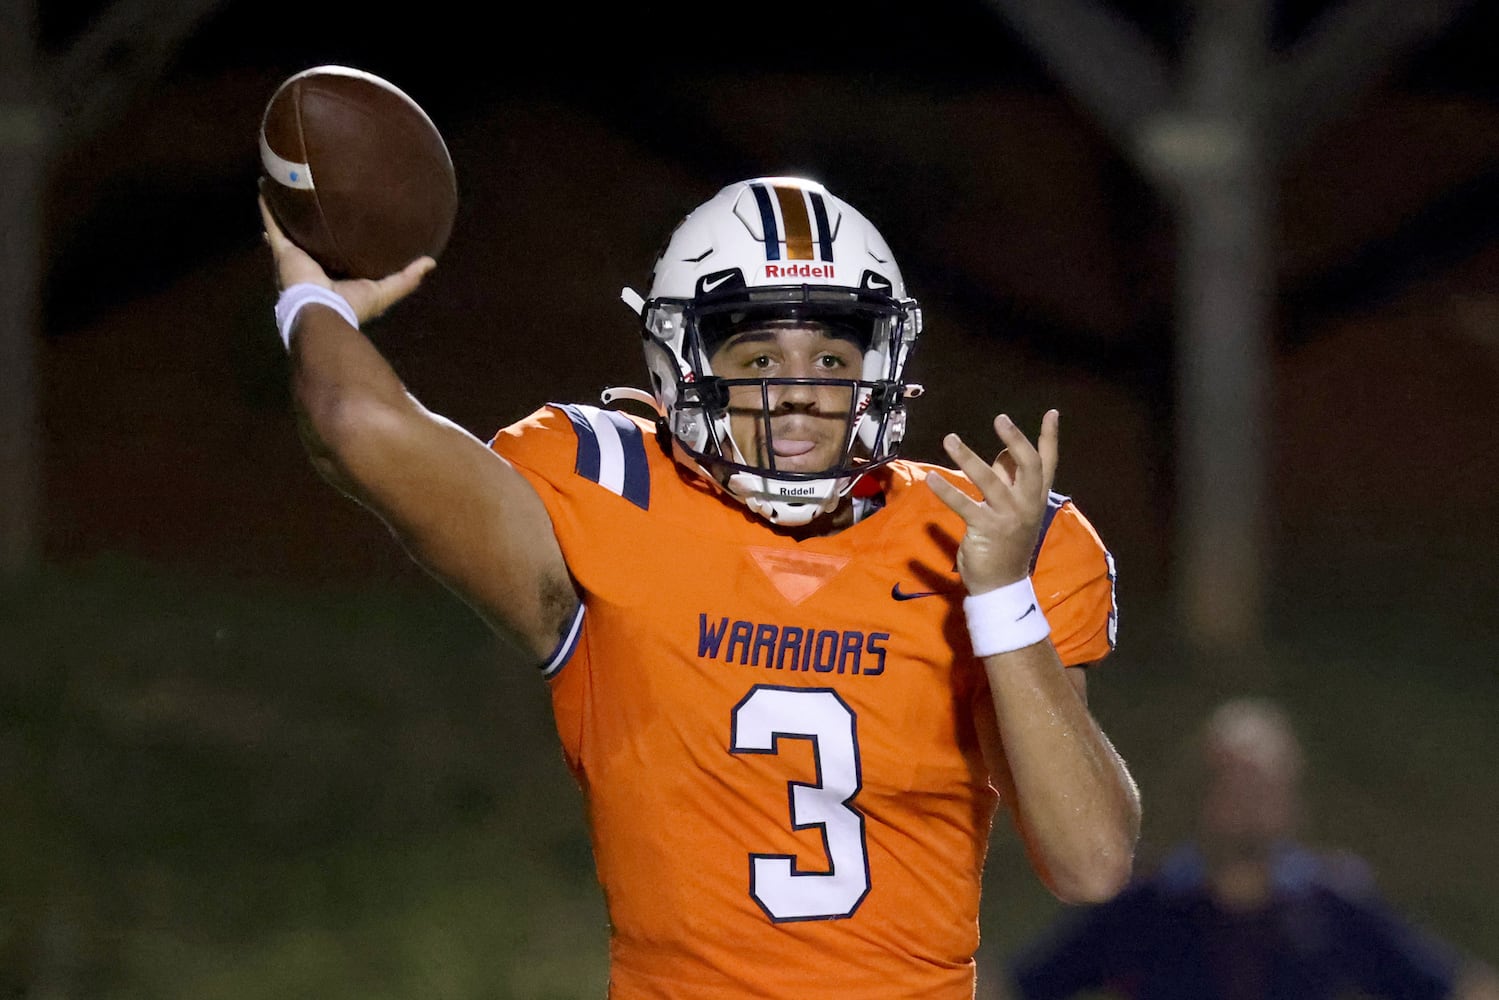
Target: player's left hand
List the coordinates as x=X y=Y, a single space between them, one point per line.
x=1002 y=530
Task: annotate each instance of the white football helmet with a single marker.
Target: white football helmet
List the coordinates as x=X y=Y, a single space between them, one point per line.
x=775 y=248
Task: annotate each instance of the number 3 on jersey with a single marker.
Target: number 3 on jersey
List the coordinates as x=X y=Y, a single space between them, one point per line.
x=767 y=715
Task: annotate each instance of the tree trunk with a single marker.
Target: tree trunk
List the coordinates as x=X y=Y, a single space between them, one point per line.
x=21 y=173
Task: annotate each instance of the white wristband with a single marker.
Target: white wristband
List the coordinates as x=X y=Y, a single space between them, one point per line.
x=294 y=299
x=1005 y=619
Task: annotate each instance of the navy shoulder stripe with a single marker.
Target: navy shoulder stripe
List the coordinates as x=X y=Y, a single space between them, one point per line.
x=611 y=452
x=1054 y=501
x=1113 y=600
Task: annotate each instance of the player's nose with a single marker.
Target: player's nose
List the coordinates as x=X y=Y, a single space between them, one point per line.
x=793 y=395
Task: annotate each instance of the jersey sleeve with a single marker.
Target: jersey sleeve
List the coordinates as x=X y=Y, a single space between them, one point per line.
x=1073 y=574
x=589 y=468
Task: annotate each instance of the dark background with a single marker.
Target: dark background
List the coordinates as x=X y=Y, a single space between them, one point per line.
x=258 y=753
x=1044 y=258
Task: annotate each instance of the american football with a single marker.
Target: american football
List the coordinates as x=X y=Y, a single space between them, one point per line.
x=356 y=173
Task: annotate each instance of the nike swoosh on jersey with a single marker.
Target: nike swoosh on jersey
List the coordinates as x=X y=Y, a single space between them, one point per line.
x=901 y=595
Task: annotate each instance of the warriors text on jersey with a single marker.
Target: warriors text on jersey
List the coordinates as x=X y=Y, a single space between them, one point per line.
x=777 y=739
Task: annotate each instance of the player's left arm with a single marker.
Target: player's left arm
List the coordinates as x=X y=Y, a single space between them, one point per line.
x=1071 y=796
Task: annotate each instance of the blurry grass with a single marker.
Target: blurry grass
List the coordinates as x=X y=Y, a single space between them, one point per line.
x=237 y=790
x=464 y=914
x=232 y=789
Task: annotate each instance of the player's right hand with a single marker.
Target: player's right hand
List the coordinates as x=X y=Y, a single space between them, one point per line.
x=368 y=298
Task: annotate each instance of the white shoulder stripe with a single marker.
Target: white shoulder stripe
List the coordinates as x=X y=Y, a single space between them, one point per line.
x=611 y=451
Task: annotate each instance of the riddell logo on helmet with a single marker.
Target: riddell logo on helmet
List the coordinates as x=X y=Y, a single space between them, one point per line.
x=799 y=270
x=796 y=491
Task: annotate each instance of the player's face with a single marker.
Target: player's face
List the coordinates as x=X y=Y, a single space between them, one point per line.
x=808 y=423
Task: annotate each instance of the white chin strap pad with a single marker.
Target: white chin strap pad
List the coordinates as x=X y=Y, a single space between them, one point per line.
x=779 y=501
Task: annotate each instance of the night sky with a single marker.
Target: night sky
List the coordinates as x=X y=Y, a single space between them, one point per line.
x=581 y=134
x=630 y=63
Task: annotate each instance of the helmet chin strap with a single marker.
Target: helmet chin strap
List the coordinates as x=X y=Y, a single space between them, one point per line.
x=779 y=501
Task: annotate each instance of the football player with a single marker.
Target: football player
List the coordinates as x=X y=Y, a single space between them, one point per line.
x=793 y=674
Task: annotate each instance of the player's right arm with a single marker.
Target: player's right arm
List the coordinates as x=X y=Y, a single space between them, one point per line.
x=461 y=511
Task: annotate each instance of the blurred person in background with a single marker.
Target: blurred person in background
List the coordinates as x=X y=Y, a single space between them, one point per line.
x=793 y=674
x=1245 y=912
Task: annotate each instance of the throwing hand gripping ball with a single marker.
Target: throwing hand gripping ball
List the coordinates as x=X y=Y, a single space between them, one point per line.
x=356 y=174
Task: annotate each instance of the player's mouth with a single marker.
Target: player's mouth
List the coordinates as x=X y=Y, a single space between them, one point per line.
x=801 y=449
x=792 y=448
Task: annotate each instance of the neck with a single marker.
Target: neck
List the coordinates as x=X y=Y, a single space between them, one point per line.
x=845 y=515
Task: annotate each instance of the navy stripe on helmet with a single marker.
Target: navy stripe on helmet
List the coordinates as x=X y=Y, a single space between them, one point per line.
x=824 y=231
x=768 y=222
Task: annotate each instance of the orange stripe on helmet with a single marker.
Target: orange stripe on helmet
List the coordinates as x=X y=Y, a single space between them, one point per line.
x=796 y=221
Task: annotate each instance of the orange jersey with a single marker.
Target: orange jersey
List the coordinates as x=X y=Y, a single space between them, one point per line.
x=777 y=738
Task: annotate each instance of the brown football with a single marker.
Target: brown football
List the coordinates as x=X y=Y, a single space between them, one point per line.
x=355 y=172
